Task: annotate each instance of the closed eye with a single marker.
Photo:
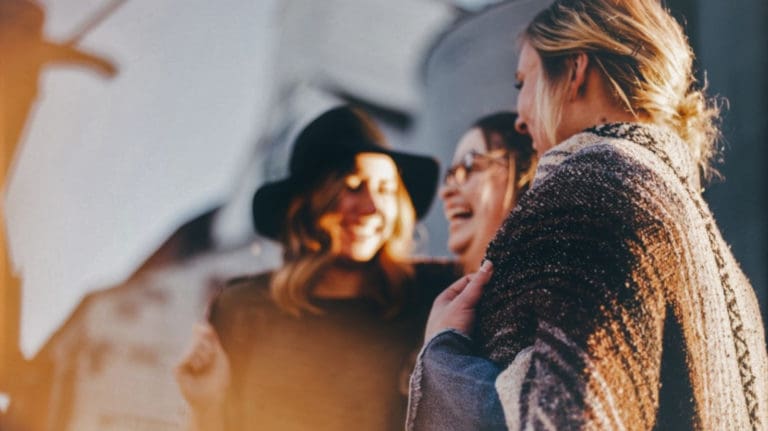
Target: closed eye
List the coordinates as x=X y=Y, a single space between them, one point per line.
x=388 y=188
x=353 y=183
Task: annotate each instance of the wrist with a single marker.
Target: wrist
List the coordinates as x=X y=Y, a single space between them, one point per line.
x=209 y=415
x=452 y=333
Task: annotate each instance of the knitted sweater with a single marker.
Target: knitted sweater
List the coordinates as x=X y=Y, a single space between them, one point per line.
x=615 y=303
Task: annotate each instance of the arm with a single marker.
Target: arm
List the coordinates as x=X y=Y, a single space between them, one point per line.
x=452 y=388
x=203 y=375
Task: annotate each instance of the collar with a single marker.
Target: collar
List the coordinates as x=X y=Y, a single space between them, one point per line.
x=663 y=143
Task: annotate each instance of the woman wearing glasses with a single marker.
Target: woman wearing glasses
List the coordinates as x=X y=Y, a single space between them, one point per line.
x=492 y=166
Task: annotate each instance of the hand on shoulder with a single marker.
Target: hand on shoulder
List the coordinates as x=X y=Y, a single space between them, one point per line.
x=454 y=308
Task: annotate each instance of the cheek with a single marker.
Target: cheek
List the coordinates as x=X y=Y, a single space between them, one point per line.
x=490 y=202
x=390 y=211
x=343 y=204
x=524 y=104
x=387 y=210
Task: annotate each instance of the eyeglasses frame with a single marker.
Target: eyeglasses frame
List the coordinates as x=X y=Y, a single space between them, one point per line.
x=459 y=173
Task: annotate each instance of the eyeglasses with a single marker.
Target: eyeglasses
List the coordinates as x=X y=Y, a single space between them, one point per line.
x=473 y=162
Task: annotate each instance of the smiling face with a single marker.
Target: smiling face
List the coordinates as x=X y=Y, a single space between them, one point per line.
x=476 y=208
x=365 y=213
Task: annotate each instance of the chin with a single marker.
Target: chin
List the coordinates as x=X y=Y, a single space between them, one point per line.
x=457 y=246
x=359 y=257
x=461 y=255
x=361 y=254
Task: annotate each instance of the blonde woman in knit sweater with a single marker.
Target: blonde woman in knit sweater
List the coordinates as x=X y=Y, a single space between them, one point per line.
x=613 y=301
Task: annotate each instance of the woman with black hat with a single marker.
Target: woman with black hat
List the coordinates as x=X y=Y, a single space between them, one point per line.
x=323 y=342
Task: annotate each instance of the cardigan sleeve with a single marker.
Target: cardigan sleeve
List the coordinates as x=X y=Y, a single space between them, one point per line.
x=576 y=284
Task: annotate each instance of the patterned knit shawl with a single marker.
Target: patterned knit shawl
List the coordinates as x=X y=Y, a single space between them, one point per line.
x=615 y=303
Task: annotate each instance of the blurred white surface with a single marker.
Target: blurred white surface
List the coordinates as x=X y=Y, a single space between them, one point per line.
x=109 y=168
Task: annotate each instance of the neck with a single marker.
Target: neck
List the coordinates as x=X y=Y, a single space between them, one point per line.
x=616 y=116
x=342 y=281
x=596 y=106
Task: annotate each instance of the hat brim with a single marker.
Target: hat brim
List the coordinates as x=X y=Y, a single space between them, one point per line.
x=420 y=176
x=270 y=202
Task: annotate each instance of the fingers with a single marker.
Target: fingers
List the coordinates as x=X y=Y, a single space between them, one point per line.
x=454 y=308
x=202 y=352
x=472 y=292
x=453 y=290
x=205 y=331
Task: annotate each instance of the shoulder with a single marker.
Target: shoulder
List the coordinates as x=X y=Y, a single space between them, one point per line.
x=432 y=276
x=589 y=159
x=249 y=285
x=632 y=154
x=601 y=175
x=436 y=271
x=241 y=293
x=242 y=309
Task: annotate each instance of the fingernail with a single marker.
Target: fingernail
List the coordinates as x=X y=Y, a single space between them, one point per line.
x=486 y=266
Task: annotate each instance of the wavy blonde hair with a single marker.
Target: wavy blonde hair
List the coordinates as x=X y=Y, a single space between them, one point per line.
x=308 y=250
x=644 y=55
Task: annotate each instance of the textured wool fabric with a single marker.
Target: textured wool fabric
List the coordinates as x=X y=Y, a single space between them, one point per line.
x=612 y=279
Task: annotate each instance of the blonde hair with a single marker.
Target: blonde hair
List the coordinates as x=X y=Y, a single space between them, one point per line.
x=644 y=55
x=309 y=250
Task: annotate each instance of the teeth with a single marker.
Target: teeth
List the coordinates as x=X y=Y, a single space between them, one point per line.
x=363 y=230
x=459 y=212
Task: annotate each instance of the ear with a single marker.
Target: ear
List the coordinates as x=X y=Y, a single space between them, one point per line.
x=578 y=75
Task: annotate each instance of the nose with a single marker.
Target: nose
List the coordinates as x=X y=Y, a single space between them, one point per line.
x=447 y=189
x=366 y=202
x=520 y=126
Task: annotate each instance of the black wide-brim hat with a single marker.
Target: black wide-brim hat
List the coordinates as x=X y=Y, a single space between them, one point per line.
x=329 y=144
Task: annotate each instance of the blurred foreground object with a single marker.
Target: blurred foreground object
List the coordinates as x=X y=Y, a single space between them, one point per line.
x=25 y=52
x=108 y=367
